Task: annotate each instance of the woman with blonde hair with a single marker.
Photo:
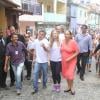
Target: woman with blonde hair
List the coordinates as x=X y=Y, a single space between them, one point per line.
x=55 y=60
x=69 y=52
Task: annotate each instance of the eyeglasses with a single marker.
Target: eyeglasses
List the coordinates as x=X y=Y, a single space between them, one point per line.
x=54 y=33
x=83 y=27
x=26 y=36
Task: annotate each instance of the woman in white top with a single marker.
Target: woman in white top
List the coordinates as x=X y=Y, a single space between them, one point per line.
x=55 y=60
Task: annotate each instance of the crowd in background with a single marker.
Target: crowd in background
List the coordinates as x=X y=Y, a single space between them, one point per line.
x=63 y=52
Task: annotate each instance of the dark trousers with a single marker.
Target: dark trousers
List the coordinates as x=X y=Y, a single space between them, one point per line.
x=81 y=63
x=56 y=69
x=98 y=64
x=3 y=75
x=28 y=65
x=12 y=76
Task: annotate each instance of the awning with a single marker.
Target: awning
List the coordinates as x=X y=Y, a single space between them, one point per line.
x=8 y=3
x=35 y=18
x=21 y=11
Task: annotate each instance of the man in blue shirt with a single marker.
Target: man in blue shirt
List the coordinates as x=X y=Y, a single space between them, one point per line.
x=84 y=41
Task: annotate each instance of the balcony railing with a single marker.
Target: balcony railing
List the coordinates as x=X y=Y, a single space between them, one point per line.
x=52 y=17
x=36 y=8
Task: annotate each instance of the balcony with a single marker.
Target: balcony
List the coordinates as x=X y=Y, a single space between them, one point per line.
x=52 y=17
x=37 y=11
x=62 y=1
x=36 y=8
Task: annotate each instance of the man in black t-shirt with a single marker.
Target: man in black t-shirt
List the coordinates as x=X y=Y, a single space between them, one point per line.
x=97 y=48
x=3 y=74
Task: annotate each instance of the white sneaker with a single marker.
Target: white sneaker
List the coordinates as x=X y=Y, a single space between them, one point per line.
x=39 y=80
x=18 y=91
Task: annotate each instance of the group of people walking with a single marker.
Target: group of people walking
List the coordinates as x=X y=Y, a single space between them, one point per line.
x=63 y=51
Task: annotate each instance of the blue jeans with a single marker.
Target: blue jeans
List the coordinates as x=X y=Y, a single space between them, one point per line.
x=17 y=72
x=44 y=69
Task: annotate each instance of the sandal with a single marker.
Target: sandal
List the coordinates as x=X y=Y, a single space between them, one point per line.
x=67 y=90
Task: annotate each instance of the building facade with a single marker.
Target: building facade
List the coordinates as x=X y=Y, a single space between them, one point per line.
x=8 y=16
x=46 y=14
x=29 y=22
x=54 y=13
x=82 y=12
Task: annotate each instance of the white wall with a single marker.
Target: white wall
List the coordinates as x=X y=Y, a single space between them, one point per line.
x=95 y=1
x=18 y=2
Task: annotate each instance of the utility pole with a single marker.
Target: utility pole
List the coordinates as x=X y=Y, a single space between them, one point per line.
x=68 y=13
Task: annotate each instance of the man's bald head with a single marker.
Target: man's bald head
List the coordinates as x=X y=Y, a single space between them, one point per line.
x=12 y=29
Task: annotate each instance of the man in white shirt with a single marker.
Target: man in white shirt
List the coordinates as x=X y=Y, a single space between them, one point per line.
x=40 y=46
x=60 y=30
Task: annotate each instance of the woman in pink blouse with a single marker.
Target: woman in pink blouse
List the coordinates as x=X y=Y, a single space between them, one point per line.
x=69 y=52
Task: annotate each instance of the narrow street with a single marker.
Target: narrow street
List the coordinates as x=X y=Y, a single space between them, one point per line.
x=85 y=90
x=46 y=28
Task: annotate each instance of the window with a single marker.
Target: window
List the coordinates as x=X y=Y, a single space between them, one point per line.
x=48 y=8
x=37 y=9
x=80 y=13
x=25 y=6
x=85 y=14
x=82 y=1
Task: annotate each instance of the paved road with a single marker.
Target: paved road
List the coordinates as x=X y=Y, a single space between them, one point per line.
x=85 y=90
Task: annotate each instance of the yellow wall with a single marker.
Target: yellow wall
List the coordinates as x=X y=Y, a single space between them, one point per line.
x=46 y=4
x=3 y=22
x=61 y=8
